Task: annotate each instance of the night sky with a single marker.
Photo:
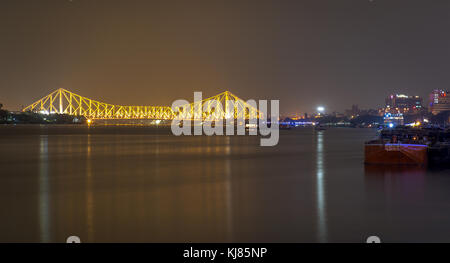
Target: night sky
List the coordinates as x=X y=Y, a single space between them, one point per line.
x=305 y=53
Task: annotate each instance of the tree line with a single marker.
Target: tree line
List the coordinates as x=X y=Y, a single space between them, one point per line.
x=7 y=117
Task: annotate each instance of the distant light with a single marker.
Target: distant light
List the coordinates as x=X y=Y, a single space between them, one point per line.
x=391 y=125
x=158 y=122
x=320 y=109
x=89 y=121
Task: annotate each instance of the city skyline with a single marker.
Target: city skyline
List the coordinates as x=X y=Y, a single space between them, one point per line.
x=416 y=104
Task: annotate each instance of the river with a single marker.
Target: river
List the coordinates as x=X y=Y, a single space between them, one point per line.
x=142 y=184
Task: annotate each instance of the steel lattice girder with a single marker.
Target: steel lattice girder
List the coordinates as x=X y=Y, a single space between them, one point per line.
x=62 y=101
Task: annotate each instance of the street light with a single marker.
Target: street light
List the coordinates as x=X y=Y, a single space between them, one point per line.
x=320 y=109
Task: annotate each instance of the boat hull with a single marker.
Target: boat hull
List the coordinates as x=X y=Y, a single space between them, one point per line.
x=403 y=154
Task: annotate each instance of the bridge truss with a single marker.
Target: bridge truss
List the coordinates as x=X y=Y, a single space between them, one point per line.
x=62 y=101
x=225 y=105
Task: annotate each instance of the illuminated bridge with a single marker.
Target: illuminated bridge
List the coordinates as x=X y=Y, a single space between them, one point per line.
x=62 y=101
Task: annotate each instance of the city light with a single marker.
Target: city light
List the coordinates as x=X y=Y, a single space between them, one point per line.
x=320 y=109
x=391 y=125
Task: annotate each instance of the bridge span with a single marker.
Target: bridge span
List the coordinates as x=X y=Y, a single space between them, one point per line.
x=62 y=101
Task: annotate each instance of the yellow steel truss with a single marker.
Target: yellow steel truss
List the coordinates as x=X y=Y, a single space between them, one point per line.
x=62 y=101
x=225 y=105
x=65 y=102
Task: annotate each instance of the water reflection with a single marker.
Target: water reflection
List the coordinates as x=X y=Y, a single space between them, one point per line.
x=89 y=192
x=382 y=171
x=44 y=189
x=159 y=191
x=126 y=186
x=412 y=176
x=228 y=190
x=396 y=179
x=321 y=202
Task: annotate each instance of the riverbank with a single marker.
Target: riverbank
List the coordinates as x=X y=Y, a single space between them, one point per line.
x=7 y=117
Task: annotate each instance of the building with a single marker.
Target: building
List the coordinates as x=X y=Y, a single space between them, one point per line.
x=400 y=103
x=393 y=119
x=353 y=112
x=439 y=101
x=370 y=112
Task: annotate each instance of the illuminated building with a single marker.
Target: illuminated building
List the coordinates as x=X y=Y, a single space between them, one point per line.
x=439 y=101
x=400 y=103
x=393 y=119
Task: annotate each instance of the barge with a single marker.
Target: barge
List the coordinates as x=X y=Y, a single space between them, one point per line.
x=409 y=146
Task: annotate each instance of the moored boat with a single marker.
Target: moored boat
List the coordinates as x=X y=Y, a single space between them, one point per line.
x=390 y=153
x=320 y=127
x=408 y=146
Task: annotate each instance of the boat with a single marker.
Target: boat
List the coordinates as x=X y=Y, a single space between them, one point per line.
x=409 y=146
x=320 y=128
x=285 y=126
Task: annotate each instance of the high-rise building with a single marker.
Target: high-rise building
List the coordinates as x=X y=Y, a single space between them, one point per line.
x=353 y=112
x=439 y=101
x=400 y=103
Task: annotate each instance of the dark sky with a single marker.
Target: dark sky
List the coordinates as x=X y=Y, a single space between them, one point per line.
x=304 y=53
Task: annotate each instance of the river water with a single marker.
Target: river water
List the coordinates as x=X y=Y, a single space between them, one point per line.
x=142 y=184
